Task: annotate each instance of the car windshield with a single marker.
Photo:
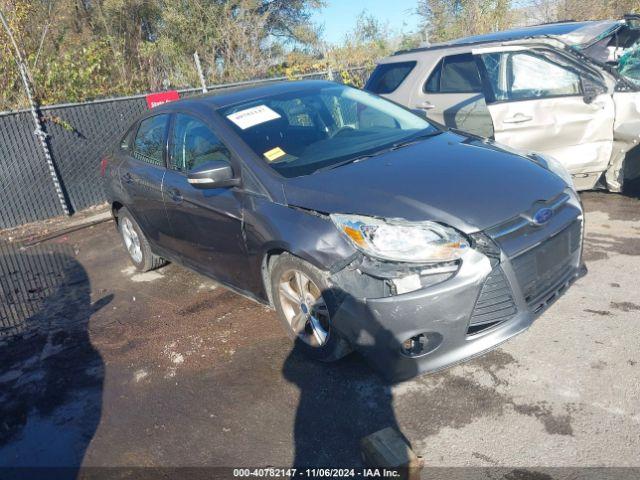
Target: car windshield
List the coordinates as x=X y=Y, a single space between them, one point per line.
x=300 y=132
x=616 y=43
x=629 y=64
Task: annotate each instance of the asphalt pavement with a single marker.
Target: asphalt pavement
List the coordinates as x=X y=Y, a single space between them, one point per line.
x=166 y=368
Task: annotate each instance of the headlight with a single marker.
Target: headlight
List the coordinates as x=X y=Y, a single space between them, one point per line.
x=402 y=241
x=556 y=167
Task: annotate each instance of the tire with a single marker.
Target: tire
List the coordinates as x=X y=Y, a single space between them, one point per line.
x=136 y=243
x=310 y=322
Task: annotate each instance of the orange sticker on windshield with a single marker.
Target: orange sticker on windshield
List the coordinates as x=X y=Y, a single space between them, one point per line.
x=274 y=154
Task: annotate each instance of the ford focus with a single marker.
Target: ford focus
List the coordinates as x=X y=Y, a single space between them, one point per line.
x=365 y=226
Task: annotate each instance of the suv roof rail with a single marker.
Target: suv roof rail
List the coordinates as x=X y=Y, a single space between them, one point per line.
x=411 y=50
x=448 y=44
x=436 y=46
x=568 y=20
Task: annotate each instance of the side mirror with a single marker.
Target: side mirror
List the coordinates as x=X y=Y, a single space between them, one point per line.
x=213 y=174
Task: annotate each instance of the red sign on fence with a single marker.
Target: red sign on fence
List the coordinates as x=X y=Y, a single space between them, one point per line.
x=156 y=99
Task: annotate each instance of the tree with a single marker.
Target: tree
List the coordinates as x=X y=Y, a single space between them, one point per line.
x=79 y=50
x=593 y=9
x=18 y=15
x=448 y=19
x=366 y=43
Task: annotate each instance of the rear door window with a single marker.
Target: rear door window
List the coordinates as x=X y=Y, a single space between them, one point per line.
x=387 y=77
x=455 y=74
x=148 y=145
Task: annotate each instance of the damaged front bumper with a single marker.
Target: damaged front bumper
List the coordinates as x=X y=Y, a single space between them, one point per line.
x=489 y=299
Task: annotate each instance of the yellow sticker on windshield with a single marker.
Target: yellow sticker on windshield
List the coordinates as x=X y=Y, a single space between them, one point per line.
x=274 y=154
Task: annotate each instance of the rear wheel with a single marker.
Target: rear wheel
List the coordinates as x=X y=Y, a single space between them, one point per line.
x=304 y=303
x=136 y=243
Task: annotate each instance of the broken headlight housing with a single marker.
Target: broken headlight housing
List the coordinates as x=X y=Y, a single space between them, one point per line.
x=402 y=241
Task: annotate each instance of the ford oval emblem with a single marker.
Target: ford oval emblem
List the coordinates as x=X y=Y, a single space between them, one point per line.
x=542 y=216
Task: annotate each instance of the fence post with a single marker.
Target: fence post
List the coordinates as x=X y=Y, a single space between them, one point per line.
x=196 y=58
x=329 y=74
x=39 y=132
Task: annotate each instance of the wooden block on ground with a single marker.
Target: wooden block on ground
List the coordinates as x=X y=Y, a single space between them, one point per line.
x=387 y=448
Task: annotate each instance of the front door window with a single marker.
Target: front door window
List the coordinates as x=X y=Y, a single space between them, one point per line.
x=525 y=75
x=193 y=144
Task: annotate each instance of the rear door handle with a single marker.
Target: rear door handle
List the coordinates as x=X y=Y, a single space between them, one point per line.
x=127 y=178
x=427 y=105
x=518 y=118
x=176 y=195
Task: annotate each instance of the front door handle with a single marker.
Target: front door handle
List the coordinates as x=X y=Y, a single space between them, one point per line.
x=426 y=105
x=518 y=118
x=176 y=195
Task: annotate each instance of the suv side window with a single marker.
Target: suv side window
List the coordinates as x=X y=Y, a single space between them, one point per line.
x=148 y=145
x=455 y=74
x=526 y=76
x=387 y=77
x=193 y=143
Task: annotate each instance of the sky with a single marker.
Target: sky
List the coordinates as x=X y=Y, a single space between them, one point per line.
x=339 y=16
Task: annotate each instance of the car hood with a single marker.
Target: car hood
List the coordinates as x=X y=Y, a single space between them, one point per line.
x=464 y=182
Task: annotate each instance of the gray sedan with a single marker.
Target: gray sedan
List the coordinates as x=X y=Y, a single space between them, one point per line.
x=364 y=225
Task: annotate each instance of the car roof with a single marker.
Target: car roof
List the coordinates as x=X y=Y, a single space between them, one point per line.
x=557 y=29
x=244 y=93
x=553 y=29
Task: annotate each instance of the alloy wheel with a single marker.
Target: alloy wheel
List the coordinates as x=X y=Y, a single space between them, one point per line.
x=304 y=308
x=131 y=240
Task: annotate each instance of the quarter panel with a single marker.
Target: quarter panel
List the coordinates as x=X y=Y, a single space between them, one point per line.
x=111 y=180
x=270 y=226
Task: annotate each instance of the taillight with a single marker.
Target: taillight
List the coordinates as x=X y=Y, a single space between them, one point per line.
x=103 y=166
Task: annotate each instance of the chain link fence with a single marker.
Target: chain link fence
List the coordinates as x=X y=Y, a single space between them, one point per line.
x=30 y=281
x=78 y=135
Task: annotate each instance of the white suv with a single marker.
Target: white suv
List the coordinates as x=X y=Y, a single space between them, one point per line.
x=569 y=90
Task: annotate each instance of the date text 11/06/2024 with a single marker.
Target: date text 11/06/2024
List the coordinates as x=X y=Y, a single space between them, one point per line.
x=316 y=473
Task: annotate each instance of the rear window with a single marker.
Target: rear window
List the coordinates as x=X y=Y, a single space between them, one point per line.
x=455 y=74
x=387 y=77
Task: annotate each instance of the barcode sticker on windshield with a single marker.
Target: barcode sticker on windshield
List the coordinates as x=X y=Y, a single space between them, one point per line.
x=274 y=154
x=253 y=116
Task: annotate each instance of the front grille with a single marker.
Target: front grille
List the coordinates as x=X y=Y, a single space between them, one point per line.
x=542 y=268
x=523 y=222
x=494 y=304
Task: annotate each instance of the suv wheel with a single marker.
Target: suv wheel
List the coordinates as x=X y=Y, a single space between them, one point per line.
x=304 y=303
x=136 y=243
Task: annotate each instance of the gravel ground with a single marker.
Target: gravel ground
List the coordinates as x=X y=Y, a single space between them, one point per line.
x=168 y=369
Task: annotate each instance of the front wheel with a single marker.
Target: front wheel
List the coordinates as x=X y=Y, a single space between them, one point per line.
x=304 y=303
